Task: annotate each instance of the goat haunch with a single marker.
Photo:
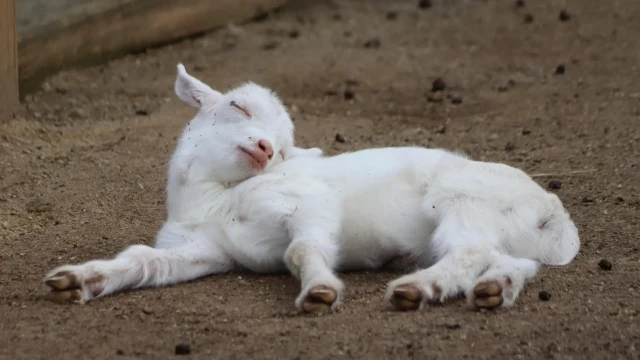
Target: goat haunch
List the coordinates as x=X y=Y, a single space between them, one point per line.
x=241 y=195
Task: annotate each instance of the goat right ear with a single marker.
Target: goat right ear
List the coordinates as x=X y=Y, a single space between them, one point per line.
x=193 y=91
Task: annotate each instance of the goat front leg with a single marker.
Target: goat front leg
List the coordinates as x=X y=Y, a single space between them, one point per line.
x=180 y=255
x=501 y=284
x=312 y=257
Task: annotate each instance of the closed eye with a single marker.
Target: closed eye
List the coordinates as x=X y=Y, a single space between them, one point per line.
x=240 y=108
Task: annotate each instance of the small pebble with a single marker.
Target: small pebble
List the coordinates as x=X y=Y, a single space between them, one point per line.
x=392 y=15
x=544 y=295
x=456 y=100
x=119 y=352
x=605 y=264
x=555 y=184
x=142 y=112
x=294 y=33
x=442 y=129
x=372 y=44
x=340 y=138
x=452 y=326
x=526 y=131
x=509 y=147
x=438 y=85
x=564 y=15
x=560 y=69
x=528 y=19
x=425 y=4
x=520 y=3
x=587 y=199
x=183 y=349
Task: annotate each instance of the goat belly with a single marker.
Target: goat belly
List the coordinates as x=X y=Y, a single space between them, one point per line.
x=258 y=246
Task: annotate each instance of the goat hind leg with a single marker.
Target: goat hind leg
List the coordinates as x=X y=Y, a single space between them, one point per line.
x=501 y=284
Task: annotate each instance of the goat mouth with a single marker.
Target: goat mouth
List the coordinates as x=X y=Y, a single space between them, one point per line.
x=256 y=162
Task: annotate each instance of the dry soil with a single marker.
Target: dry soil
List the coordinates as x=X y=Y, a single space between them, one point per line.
x=83 y=165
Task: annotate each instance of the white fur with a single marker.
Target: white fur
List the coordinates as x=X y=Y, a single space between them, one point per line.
x=460 y=222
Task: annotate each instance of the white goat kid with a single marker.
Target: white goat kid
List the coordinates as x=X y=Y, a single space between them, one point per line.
x=240 y=196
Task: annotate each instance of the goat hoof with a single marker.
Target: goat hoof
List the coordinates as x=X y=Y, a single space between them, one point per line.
x=65 y=296
x=320 y=298
x=62 y=281
x=406 y=297
x=488 y=295
x=65 y=287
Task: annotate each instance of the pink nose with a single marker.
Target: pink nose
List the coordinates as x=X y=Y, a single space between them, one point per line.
x=260 y=156
x=266 y=148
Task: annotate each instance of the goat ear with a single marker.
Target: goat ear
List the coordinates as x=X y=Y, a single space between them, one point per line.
x=193 y=91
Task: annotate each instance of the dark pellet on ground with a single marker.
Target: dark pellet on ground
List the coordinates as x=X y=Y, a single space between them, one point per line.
x=294 y=33
x=526 y=131
x=605 y=264
x=183 y=349
x=425 y=4
x=340 y=138
x=142 y=112
x=509 y=147
x=452 y=326
x=119 y=352
x=392 y=15
x=348 y=95
x=372 y=44
x=438 y=85
x=456 y=100
x=270 y=45
x=560 y=69
x=555 y=184
x=564 y=15
x=520 y=3
x=528 y=19
x=544 y=296
x=262 y=16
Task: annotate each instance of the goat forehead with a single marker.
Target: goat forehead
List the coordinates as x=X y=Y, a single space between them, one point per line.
x=257 y=96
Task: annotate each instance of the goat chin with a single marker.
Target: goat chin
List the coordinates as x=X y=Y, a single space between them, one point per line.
x=465 y=227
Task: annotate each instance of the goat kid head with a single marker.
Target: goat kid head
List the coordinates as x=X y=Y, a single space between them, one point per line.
x=236 y=135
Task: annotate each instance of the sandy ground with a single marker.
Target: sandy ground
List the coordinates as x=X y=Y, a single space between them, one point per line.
x=83 y=165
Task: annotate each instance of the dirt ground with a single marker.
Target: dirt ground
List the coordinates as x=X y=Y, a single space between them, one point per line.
x=83 y=166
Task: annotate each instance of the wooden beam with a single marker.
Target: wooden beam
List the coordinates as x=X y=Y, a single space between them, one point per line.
x=8 y=59
x=108 y=29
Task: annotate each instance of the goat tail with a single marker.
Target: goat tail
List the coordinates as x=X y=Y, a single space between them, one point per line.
x=560 y=242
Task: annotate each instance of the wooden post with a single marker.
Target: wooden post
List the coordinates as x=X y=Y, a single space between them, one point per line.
x=9 y=96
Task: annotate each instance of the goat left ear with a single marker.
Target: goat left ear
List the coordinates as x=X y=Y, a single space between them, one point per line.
x=193 y=91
